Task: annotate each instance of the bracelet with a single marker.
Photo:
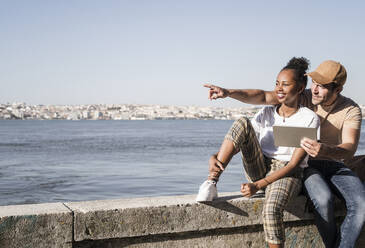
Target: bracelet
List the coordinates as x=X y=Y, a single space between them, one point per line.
x=221 y=162
x=266 y=181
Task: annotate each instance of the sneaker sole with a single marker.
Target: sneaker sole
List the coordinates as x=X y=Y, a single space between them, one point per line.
x=205 y=200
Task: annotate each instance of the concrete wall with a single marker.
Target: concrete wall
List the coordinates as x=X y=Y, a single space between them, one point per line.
x=36 y=225
x=175 y=221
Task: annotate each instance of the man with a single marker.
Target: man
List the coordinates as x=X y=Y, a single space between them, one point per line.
x=327 y=174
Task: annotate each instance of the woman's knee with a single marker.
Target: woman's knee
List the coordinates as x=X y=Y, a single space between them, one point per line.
x=239 y=130
x=243 y=119
x=242 y=123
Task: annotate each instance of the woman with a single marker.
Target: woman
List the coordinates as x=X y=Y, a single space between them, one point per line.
x=277 y=170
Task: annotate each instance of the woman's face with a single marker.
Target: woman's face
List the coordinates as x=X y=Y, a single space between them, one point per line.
x=286 y=89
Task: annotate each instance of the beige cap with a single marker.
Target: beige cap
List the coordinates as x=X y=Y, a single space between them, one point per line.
x=329 y=72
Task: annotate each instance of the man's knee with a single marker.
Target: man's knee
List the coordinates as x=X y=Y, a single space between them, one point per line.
x=322 y=201
x=321 y=197
x=357 y=206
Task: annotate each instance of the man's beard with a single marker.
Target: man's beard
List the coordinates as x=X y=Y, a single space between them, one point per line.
x=324 y=101
x=316 y=102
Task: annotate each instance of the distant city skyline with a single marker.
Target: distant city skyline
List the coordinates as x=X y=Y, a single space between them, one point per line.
x=21 y=111
x=162 y=52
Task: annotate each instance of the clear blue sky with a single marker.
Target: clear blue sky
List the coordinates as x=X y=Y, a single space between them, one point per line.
x=161 y=52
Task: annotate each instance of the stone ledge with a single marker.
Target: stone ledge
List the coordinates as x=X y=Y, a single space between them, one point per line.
x=96 y=220
x=172 y=221
x=36 y=225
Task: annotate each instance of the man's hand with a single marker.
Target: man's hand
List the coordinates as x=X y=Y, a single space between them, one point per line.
x=216 y=92
x=215 y=166
x=312 y=147
x=248 y=189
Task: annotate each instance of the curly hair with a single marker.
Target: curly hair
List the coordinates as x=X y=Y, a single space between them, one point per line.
x=300 y=67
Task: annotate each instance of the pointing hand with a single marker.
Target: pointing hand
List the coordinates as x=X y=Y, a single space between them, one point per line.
x=216 y=92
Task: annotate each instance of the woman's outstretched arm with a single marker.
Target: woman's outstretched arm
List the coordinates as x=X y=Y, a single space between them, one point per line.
x=251 y=96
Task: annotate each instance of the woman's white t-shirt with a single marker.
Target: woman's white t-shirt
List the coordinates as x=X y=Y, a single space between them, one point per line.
x=267 y=117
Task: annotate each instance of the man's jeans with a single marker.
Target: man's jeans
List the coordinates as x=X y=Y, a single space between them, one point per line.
x=324 y=178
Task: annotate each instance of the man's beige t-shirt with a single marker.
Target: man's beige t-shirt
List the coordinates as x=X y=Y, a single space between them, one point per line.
x=345 y=113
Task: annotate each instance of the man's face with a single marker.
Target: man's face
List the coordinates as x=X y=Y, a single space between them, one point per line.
x=322 y=94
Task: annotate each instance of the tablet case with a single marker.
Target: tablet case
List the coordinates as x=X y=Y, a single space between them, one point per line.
x=291 y=136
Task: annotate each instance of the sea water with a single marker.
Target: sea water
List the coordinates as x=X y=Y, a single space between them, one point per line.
x=57 y=160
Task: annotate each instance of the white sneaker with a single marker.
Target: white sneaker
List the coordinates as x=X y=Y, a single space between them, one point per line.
x=207 y=191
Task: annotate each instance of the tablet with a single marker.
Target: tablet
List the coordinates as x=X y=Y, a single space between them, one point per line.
x=291 y=136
